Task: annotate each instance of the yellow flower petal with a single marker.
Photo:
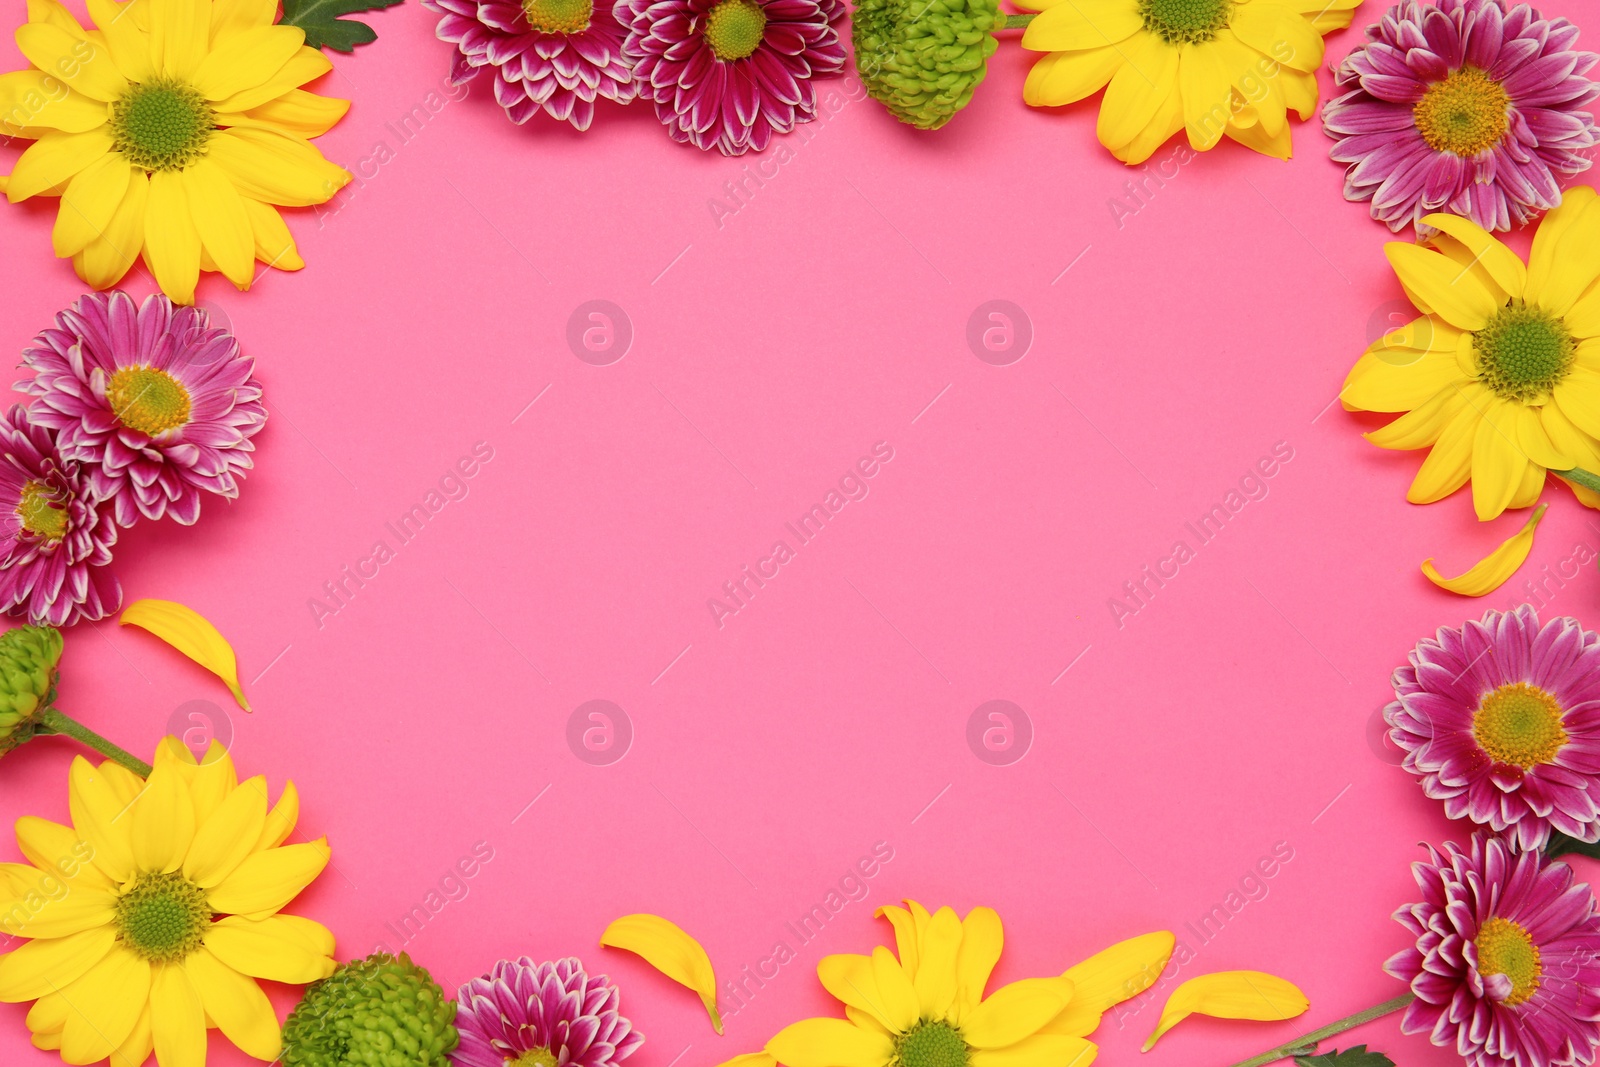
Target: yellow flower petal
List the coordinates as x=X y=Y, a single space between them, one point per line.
x=54 y=13
x=670 y=950
x=1422 y=426
x=45 y=965
x=1376 y=383
x=32 y=103
x=161 y=822
x=1257 y=139
x=1497 y=461
x=81 y=62
x=236 y=1004
x=296 y=112
x=751 y=1059
x=128 y=44
x=221 y=221
x=177 y=1018
x=38 y=904
x=1528 y=493
x=1040 y=1050
x=849 y=977
x=229 y=17
x=104 y=262
x=1438 y=284
x=306 y=65
x=190 y=633
x=1543 y=258
x=171 y=245
x=53 y=160
x=1500 y=269
x=57 y=848
x=1067 y=77
x=1271 y=28
x=273 y=243
x=982 y=938
x=276 y=168
x=1576 y=261
x=180 y=31
x=1489 y=573
x=1231 y=995
x=1206 y=90
x=105 y=1004
x=935 y=982
x=896 y=988
x=229 y=835
x=1167 y=121
x=97 y=814
x=1449 y=463
x=247 y=60
x=1110 y=977
x=1082 y=24
x=281 y=819
x=829 y=1043
x=1534 y=442
x=266 y=881
x=905 y=936
x=49 y=1015
x=1138 y=91
x=1584 y=317
x=282 y=948
x=136 y=1049
x=1016 y=1011
x=92 y=197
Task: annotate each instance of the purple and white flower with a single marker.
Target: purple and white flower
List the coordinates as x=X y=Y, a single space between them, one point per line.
x=542 y=1015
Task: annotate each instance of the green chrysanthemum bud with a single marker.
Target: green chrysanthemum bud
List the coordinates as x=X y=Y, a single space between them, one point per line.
x=382 y=1011
x=923 y=58
x=28 y=659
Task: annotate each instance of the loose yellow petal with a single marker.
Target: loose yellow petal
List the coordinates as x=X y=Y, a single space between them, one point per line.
x=1110 y=977
x=1489 y=573
x=666 y=947
x=1231 y=995
x=830 y=1043
x=190 y=633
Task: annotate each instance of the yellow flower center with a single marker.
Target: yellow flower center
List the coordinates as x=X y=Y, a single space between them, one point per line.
x=41 y=512
x=931 y=1044
x=1185 y=21
x=1504 y=947
x=162 y=124
x=734 y=28
x=1523 y=352
x=1464 y=113
x=534 y=1057
x=148 y=400
x=163 y=917
x=558 y=16
x=1520 y=725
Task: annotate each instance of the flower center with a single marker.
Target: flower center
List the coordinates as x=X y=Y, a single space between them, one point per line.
x=163 y=917
x=1520 y=725
x=1504 y=947
x=148 y=400
x=534 y=1057
x=734 y=28
x=1185 y=21
x=1464 y=113
x=164 y=124
x=558 y=16
x=1523 y=352
x=41 y=512
x=931 y=1044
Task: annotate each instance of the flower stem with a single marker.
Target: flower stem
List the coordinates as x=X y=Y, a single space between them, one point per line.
x=1307 y=1044
x=1581 y=477
x=57 y=723
x=1019 y=22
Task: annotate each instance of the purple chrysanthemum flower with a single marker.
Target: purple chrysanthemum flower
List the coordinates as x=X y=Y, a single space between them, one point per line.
x=56 y=537
x=1501 y=720
x=1471 y=107
x=728 y=74
x=555 y=55
x=1507 y=962
x=527 y=1014
x=154 y=402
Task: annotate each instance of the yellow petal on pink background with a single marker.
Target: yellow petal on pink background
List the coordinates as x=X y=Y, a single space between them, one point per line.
x=1489 y=573
x=668 y=948
x=186 y=629
x=1040 y=1050
x=1478 y=250
x=1231 y=995
x=1110 y=977
x=1436 y=283
x=830 y=1043
x=982 y=938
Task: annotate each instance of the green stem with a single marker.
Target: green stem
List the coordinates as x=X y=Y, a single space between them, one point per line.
x=1581 y=477
x=54 y=721
x=1306 y=1045
x=1019 y=22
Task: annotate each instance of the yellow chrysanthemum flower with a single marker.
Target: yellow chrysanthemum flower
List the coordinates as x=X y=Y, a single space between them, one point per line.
x=172 y=129
x=927 y=1008
x=151 y=916
x=1215 y=68
x=1500 y=376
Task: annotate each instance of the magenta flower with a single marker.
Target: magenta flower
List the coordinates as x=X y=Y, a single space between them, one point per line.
x=728 y=74
x=57 y=536
x=1471 y=107
x=1506 y=966
x=1501 y=721
x=542 y=1015
x=154 y=403
x=558 y=56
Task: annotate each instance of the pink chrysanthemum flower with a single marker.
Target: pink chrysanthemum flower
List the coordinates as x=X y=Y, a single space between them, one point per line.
x=542 y=1015
x=56 y=536
x=154 y=402
x=728 y=74
x=558 y=56
x=1472 y=107
x=1506 y=967
x=1501 y=721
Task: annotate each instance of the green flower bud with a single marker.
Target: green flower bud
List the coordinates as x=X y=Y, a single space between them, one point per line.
x=923 y=58
x=382 y=1011
x=28 y=659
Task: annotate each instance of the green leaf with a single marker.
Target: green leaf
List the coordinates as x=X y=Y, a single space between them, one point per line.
x=323 y=25
x=1560 y=844
x=1355 y=1056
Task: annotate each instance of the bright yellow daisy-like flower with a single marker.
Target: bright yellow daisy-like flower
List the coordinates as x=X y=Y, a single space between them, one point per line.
x=151 y=916
x=927 y=1008
x=1500 y=376
x=1215 y=68
x=170 y=130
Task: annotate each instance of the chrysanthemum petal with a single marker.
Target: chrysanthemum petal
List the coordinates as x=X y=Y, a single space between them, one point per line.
x=266 y=881
x=1082 y=24
x=670 y=949
x=1066 y=77
x=92 y=197
x=221 y=221
x=982 y=938
x=105 y=1004
x=1207 y=90
x=236 y=1004
x=104 y=261
x=171 y=245
x=1578 y=395
x=53 y=160
x=276 y=168
x=1137 y=92
x=229 y=17
x=57 y=848
x=162 y=822
x=281 y=948
x=1489 y=573
x=136 y=1047
x=281 y=819
x=81 y=62
x=45 y=965
x=180 y=33
x=849 y=978
x=905 y=936
x=274 y=245
x=35 y=903
x=129 y=46
x=1110 y=977
x=1577 y=262
x=1273 y=28
x=304 y=66
x=1231 y=995
x=1040 y=1050
x=1423 y=425
x=1501 y=270
x=32 y=102
x=97 y=814
x=1016 y=1011
x=1449 y=463
x=935 y=982
x=829 y=1043
x=1400 y=379
x=296 y=112
x=895 y=987
x=246 y=60
x=1439 y=285
x=229 y=835
x=177 y=1018
x=1545 y=266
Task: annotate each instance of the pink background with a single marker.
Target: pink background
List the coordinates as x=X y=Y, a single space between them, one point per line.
x=770 y=352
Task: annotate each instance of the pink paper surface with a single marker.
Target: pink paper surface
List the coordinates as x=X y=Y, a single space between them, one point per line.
x=777 y=341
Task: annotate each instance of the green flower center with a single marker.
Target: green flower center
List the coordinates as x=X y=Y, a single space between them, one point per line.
x=1464 y=113
x=1523 y=352
x=534 y=1057
x=931 y=1044
x=734 y=28
x=148 y=400
x=1185 y=21
x=1519 y=724
x=1504 y=947
x=558 y=16
x=41 y=512
x=164 y=124
x=163 y=917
